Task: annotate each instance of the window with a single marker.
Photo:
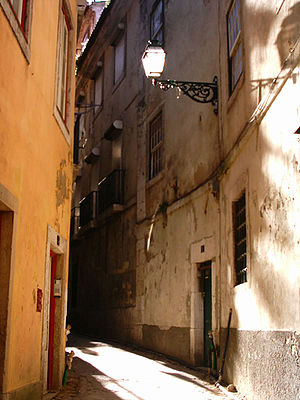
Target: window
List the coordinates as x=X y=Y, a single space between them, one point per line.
x=19 y=7
x=234 y=44
x=240 y=239
x=63 y=42
x=156 y=146
x=19 y=16
x=119 y=63
x=64 y=64
x=99 y=88
x=157 y=23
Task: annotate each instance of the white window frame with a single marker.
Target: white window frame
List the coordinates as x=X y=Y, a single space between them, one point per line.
x=21 y=27
x=64 y=69
x=235 y=56
x=19 y=7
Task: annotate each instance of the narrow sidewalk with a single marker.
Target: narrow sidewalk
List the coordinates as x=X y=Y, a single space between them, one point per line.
x=112 y=372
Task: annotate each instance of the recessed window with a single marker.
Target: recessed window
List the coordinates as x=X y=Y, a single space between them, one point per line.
x=240 y=239
x=157 y=22
x=99 y=88
x=234 y=44
x=62 y=64
x=156 y=146
x=119 y=58
x=64 y=68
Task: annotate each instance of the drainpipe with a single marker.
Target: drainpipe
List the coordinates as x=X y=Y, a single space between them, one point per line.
x=225 y=348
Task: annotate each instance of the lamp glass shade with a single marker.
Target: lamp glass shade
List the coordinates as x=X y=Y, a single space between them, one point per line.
x=153 y=61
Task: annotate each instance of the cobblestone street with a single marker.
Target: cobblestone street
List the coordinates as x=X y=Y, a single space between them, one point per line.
x=110 y=372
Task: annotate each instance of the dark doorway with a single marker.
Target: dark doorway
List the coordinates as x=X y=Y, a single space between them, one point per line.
x=6 y=235
x=205 y=288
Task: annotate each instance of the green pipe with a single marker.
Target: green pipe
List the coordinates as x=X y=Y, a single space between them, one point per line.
x=65 y=376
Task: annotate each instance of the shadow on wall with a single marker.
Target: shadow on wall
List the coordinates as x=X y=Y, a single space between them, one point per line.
x=287 y=38
x=269 y=360
x=289 y=32
x=265 y=21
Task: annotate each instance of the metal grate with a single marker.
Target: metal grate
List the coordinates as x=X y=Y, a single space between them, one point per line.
x=111 y=190
x=240 y=239
x=88 y=208
x=156 y=146
x=75 y=212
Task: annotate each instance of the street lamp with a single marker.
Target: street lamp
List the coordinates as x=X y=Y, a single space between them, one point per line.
x=154 y=61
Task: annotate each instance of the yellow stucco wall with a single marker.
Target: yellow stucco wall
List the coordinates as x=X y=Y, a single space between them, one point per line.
x=35 y=167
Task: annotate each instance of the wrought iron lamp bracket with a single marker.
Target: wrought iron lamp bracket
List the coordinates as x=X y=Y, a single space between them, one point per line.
x=202 y=92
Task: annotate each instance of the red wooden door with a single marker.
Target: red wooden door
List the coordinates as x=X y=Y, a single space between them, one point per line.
x=51 y=321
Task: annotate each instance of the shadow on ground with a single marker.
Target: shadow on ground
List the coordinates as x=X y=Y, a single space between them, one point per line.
x=86 y=382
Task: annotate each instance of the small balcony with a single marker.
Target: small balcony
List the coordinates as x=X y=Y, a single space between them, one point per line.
x=88 y=207
x=111 y=190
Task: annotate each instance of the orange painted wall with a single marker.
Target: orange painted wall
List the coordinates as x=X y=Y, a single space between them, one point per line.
x=36 y=167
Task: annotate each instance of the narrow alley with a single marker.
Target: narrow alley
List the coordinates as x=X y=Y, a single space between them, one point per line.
x=110 y=372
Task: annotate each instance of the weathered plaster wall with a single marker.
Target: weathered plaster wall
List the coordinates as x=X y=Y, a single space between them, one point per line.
x=161 y=313
x=36 y=167
x=190 y=153
x=263 y=364
x=265 y=164
x=167 y=278
x=271 y=179
x=176 y=213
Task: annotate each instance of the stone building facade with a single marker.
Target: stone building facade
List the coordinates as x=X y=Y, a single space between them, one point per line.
x=184 y=219
x=37 y=85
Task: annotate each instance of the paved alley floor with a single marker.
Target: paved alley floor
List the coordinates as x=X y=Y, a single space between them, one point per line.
x=112 y=372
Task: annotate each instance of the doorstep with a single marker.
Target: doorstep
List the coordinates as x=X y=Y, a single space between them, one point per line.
x=49 y=395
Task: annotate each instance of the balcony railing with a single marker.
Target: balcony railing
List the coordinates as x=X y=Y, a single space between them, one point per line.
x=111 y=190
x=88 y=207
x=75 y=212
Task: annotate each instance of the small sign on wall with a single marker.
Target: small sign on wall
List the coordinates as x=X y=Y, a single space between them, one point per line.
x=57 y=288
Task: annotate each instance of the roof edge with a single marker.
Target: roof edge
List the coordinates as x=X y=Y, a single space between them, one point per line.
x=94 y=35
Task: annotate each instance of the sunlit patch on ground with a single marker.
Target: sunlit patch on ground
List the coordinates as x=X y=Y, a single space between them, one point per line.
x=107 y=372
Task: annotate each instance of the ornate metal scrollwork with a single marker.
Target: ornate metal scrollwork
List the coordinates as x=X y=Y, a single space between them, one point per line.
x=202 y=92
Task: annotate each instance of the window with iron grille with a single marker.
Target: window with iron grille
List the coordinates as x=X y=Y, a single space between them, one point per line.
x=157 y=22
x=234 y=44
x=156 y=146
x=240 y=239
